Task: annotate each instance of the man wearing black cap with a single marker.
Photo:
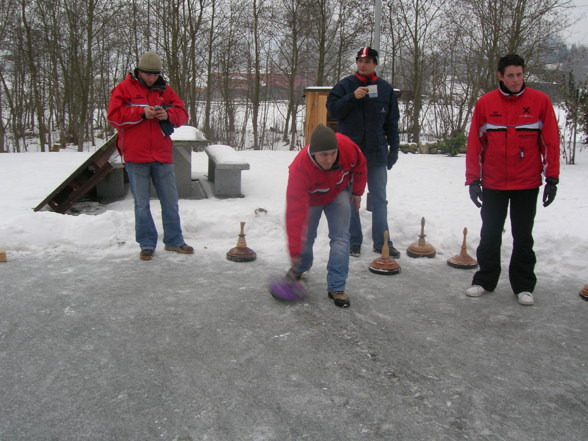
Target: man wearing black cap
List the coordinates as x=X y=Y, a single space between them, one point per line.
x=328 y=175
x=366 y=109
x=145 y=110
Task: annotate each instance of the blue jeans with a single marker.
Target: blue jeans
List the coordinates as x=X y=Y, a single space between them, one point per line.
x=164 y=180
x=338 y=213
x=378 y=205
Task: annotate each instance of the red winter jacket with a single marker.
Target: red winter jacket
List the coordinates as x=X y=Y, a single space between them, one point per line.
x=310 y=185
x=512 y=140
x=141 y=140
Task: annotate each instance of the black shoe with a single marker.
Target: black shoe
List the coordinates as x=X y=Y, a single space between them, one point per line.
x=355 y=250
x=340 y=298
x=146 y=254
x=394 y=253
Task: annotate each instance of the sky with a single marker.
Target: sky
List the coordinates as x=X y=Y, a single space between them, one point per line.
x=429 y=186
x=579 y=31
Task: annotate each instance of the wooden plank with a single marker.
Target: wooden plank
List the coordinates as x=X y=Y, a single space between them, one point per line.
x=316 y=110
x=82 y=180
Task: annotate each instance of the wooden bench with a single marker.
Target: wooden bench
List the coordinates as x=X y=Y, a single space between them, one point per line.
x=224 y=169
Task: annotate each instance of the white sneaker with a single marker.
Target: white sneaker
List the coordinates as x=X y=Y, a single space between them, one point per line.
x=525 y=298
x=475 y=291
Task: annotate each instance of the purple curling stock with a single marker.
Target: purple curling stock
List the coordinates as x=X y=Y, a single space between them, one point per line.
x=287 y=290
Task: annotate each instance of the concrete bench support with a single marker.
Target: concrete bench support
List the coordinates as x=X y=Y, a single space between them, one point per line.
x=224 y=169
x=112 y=187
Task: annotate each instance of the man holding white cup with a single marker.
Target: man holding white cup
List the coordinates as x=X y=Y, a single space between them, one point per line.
x=366 y=109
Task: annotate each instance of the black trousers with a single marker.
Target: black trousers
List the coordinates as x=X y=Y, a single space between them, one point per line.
x=521 y=271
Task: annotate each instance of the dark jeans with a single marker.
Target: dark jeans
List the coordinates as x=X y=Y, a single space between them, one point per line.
x=523 y=206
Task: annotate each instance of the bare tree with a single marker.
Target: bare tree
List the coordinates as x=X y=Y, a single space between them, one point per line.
x=60 y=59
x=31 y=36
x=296 y=33
x=7 y=20
x=209 y=71
x=493 y=28
x=323 y=26
x=255 y=95
x=230 y=42
x=348 y=33
x=451 y=81
x=419 y=20
x=193 y=27
x=575 y=104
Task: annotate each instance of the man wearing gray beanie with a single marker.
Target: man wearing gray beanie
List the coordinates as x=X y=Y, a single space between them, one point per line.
x=145 y=110
x=329 y=175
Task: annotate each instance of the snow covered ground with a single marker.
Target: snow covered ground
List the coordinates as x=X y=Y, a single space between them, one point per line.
x=430 y=186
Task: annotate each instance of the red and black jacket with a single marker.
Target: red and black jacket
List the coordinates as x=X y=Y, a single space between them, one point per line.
x=142 y=140
x=513 y=139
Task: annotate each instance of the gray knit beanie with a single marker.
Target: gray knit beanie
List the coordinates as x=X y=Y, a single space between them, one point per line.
x=323 y=138
x=150 y=62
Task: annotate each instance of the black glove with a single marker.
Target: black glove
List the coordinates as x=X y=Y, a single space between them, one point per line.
x=392 y=158
x=476 y=193
x=166 y=127
x=550 y=191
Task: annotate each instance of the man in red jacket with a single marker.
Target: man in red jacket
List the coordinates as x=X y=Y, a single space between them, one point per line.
x=145 y=110
x=329 y=175
x=513 y=139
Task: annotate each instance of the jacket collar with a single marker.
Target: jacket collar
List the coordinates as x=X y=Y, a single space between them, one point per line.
x=369 y=79
x=160 y=83
x=507 y=93
x=336 y=164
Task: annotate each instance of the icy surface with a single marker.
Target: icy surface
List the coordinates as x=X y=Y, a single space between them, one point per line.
x=98 y=345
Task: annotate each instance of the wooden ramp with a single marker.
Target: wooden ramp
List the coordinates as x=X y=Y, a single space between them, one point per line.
x=81 y=181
